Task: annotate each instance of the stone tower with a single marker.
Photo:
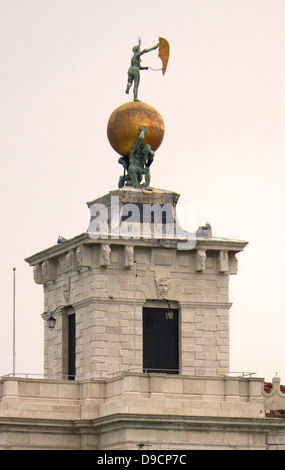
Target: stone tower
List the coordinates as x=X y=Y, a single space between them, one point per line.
x=147 y=300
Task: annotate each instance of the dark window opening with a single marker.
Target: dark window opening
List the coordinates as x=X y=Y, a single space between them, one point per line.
x=71 y=347
x=161 y=340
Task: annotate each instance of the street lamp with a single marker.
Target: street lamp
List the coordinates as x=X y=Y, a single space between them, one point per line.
x=169 y=313
x=51 y=321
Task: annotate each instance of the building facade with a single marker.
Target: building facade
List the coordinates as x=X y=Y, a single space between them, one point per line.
x=139 y=355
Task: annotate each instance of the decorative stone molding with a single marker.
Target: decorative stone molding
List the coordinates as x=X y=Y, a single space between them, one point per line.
x=223 y=262
x=48 y=271
x=275 y=390
x=200 y=261
x=105 y=255
x=84 y=256
x=163 y=258
x=233 y=264
x=37 y=273
x=162 y=280
x=71 y=262
x=128 y=256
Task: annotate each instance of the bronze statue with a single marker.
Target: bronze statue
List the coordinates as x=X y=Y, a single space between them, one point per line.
x=125 y=120
x=134 y=70
x=137 y=164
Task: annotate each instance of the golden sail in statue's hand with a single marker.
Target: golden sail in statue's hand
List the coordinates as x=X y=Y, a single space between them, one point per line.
x=164 y=53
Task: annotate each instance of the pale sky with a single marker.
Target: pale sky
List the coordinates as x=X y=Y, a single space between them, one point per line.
x=63 y=67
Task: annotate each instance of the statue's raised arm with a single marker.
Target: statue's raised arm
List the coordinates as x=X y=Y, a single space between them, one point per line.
x=150 y=49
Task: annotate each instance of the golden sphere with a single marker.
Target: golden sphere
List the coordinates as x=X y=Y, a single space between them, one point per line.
x=124 y=127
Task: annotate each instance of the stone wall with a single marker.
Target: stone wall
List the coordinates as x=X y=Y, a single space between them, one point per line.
x=161 y=411
x=102 y=297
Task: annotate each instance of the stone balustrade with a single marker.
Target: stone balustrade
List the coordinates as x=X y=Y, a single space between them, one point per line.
x=132 y=392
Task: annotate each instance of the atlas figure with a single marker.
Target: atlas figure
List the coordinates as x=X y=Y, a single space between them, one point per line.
x=138 y=163
x=134 y=70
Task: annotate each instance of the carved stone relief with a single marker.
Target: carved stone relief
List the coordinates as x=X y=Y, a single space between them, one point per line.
x=105 y=255
x=233 y=264
x=128 y=256
x=37 y=273
x=223 y=264
x=84 y=256
x=71 y=262
x=48 y=271
x=200 y=260
x=162 y=286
